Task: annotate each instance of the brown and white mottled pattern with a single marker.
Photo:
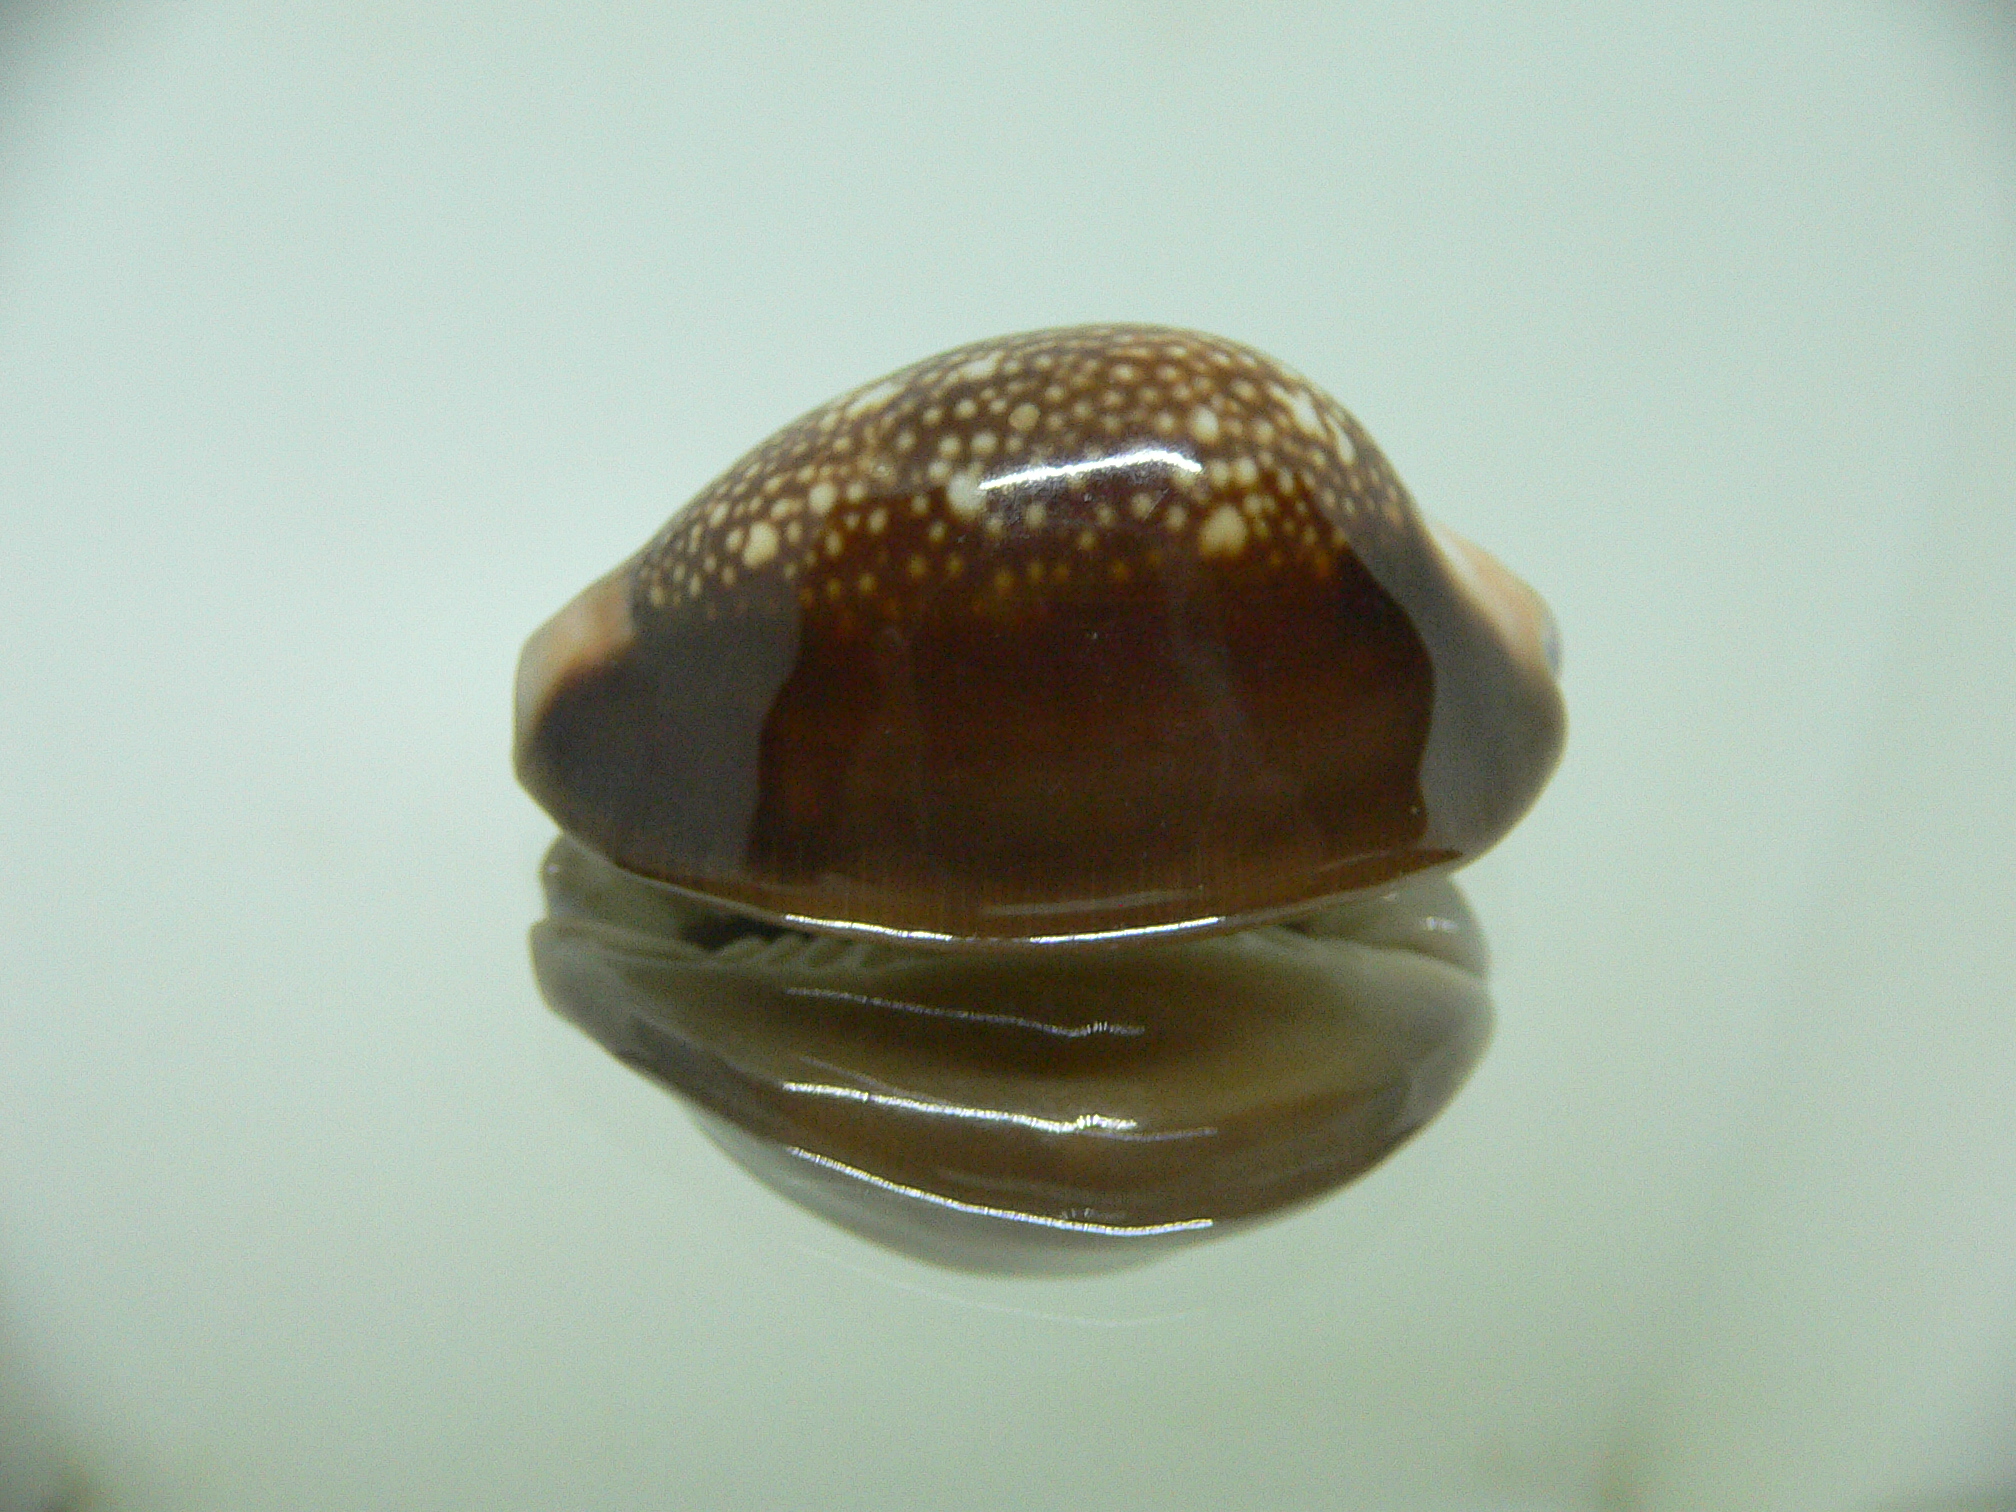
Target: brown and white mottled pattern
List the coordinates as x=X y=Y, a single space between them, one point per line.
x=1011 y=469
x=1067 y=636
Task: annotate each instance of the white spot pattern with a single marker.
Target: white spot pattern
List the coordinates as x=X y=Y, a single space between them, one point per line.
x=992 y=470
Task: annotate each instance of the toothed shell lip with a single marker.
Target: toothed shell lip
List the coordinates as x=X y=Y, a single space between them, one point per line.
x=587 y=891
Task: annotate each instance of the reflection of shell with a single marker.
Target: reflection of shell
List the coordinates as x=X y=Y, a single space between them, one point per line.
x=1081 y=633
x=1031 y=1112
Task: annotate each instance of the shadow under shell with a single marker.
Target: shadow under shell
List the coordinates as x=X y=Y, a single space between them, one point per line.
x=1030 y=1113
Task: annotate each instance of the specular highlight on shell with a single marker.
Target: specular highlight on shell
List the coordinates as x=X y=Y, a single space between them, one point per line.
x=1074 y=635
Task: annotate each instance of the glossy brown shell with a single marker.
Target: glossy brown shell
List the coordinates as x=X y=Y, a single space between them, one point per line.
x=1067 y=635
x=1043 y=1112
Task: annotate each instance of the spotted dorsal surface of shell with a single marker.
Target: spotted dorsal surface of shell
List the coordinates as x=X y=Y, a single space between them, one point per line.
x=1069 y=636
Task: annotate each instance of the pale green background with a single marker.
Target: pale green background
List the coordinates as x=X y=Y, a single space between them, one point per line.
x=339 y=344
